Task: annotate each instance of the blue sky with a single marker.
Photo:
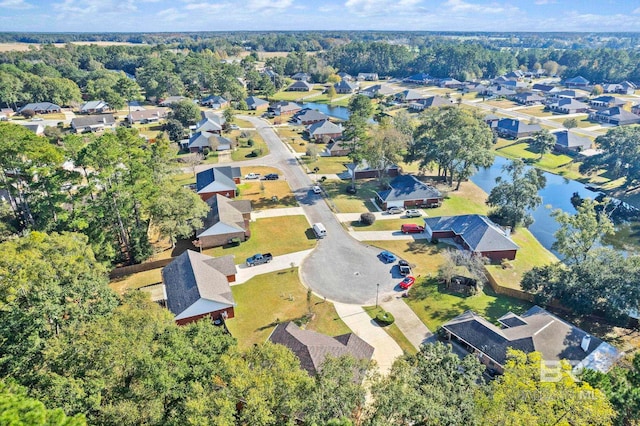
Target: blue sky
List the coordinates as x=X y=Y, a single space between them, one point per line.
x=223 y=15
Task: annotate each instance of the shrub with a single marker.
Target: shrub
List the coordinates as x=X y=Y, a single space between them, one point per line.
x=323 y=178
x=250 y=142
x=206 y=151
x=367 y=218
x=434 y=241
x=256 y=152
x=28 y=113
x=384 y=318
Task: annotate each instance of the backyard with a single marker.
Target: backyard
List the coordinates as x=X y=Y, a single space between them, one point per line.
x=268 y=299
x=249 y=146
x=261 y=193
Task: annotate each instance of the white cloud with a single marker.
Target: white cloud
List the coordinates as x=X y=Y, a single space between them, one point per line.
x=543 y=2
x=15 y=4
x=268 y=4
x=636 y=11
x=382 y=7
x=461 y=6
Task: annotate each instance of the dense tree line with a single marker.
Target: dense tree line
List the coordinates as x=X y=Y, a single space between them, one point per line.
x=119 y=188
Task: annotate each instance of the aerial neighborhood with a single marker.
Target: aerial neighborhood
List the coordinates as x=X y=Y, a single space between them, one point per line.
x=223 y=230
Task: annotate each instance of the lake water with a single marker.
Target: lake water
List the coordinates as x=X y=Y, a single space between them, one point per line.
x=556 y=195
x=339 y=112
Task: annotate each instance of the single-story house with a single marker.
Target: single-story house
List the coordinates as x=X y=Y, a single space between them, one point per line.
x=624 y=88
x=559 y=93
x=498 y=91
x=209 y=125
x=408 y=191
x=368 y=76
x=95 y=107
x=218 y=180
x=147 y=115
x=215 y=102
x=514 y=75
x=337 y=149
x=195 y=289
x=301 y=76
x=527 y=98
x=324 y=130
x=313 y=348
x=345 y=76
x=227 y=221
x=430 y=102
x=92 y=123
x=377 y=90
x=615 y=115
x=40 y=108
x=409 y=96
x=420 y=78
x=607 y=101
x=512 y=128
x=171 y=100
x=491 y=120
x=284 y=108
x=578 y=81
x=345 y=86
x=214 y=116
x=308 y=116
x=449 y=83
x=542 y=88
x=567 y=141
x=365 y=171
x=534 y=330
x=201 y=140
x=256 y=104
x=475 y=233
x=300 y=86
x=568 y=106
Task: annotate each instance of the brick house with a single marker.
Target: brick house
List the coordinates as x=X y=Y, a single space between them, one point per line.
x=218 y=180
x=227 y=221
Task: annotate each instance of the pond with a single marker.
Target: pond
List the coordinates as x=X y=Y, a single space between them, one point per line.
x=556 y=195
x=339 y=112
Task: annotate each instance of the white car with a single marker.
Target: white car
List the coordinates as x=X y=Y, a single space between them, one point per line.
x=413 y=213
x=316 y=189
x=252 y=176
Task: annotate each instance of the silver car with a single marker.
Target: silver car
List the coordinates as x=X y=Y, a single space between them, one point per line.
x=413 y=213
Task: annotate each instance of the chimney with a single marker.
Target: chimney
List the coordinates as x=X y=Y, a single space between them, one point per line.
x=586 y=340
x=507 y=231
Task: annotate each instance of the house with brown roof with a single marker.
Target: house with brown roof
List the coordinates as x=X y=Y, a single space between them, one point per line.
x=535 y=330
x=227 y=222
x=313 y=348
x=324 y=130
x=195 y=288
x=475 y=233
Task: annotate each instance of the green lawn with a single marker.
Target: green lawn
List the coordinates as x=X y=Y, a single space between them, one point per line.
x=537 y=111
x=184 y=178
x=293 y=96
x=327 y=165
x=393 y=331
x=134 y=281
x=582 y=120
x=242 y=123
x=268 y=299
x=530 y=254
x=260 y=192
x=348 y=203
x=435 y=305
x=469 y=199
x=244 y=150
x=293 y=136
x=549 y=161
x=293 y=234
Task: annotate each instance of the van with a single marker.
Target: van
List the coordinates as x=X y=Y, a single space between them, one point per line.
x=319 y=230
x=411 y=228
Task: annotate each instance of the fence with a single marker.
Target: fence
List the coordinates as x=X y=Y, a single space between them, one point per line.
x=128 y=270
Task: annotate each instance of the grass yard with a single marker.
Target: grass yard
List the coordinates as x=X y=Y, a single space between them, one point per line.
x=327 y=165
x=245 y=152
x=348 y=203
x=244 y=124
x=293 y=136
x=530 y=254
x=184 y=178
x=135 y=281
x=435 y=305
x=293 y=96
x=469 y=199
x=549 y=161
x=260 y=192
x=583 y=120
x=501 y=103
x=149 y=130
x=293 y=234
x=268 y=299
x=537 y=111
x=393 y=331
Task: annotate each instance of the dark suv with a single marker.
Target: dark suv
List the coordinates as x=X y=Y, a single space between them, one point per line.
x=271 y=176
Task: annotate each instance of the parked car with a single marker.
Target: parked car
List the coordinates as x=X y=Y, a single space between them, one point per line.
x=407 y=282
x=234 y=127
x=271 y=176
x=259 y=259
x=387 y=257
x=37 y=119
x=413 y=213
x=395 y=210
x=316 y=189
x=252 y=176
x=411 y=228
x=404 y=267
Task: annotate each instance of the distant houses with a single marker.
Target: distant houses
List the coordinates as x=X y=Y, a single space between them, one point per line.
x=300 y=86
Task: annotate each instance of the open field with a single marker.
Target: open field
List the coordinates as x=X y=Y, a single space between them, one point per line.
x=266 y=300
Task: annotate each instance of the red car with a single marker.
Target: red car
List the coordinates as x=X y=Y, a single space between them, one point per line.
x=411 y=228
x=407 y=282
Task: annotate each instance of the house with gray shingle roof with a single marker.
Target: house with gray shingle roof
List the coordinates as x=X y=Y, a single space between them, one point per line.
x=201 y=140
x=345 y=86
x=170 y=100
x=301 y=76
x=345 y=76
x=535 y=330
x=578 y=81
x=92 y=123
x=284 y=108
x=430 y=102
x=196 y=289
x=420 y=78
x=512 y=128
x=527 y=98
x=313 y=348
x=568 y=106
x=567 y=141
x=449 y=83
x=227 y=221
x=40 y=108
x=300 y=86
x=218 y=180
x=410 y=95
x=407 y=191
x=377 y=90
x=607 y=101
x=256 y=104
x=94 y=107
x=475 y=233
x=615 y=115
x=325 y=129
x=147 y=115
x=215 y=102
x=308 y=116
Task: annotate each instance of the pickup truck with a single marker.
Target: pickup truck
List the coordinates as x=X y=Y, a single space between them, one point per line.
x=252 y=176
x=259 y=259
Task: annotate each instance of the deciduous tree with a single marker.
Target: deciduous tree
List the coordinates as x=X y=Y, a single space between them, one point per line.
x=543 y=142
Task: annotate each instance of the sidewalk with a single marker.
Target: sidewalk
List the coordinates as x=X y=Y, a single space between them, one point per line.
x=386 y=349
x=245 y=273
x=407 y=321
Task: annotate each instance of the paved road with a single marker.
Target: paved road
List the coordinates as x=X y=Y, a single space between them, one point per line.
x=340 y=268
